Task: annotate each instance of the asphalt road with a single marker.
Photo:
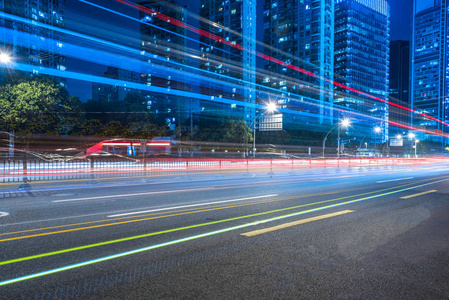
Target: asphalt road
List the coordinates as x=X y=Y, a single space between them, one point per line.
x=347 y=233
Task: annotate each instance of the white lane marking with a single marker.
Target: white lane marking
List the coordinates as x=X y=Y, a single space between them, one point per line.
x=130 y=195
x=3 y=214
x=191 y=205
x=343 y=176
x=394 y=180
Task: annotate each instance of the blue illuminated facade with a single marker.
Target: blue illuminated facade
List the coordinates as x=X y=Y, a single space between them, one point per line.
x=48 y=12
x=430 y=64
x=235 y=23
x=168 y=42
x=300 y=33
x=362 y=33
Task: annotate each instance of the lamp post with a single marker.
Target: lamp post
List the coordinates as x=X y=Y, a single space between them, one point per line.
x=5 y=59
x=344 y=123
x=325 y=138
x=270 y=107
x=411 y=135
x=360 y=146
x=376 y=131
x=416 y=146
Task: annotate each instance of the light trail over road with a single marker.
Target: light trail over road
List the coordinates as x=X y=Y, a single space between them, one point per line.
x=139 y=239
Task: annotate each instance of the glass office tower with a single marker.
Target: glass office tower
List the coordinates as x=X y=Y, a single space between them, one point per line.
x=429 y=54
x=362 y=33
x=22 y=37
x=233 y=55
x=300 y=33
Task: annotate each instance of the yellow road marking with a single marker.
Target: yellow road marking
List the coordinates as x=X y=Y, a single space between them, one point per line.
x=300 y=222
x=178 y=211
x=112 y=224
x=419 y=194
x=187 y=211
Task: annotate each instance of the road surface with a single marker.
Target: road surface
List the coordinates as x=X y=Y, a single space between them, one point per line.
x=338 y=233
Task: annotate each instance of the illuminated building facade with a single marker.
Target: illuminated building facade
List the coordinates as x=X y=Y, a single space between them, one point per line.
x=362 y=33
x=429 y=72
x=111 y=93
x=300 y=33
x=23 y=49
x=167 y=43
x=235 y=22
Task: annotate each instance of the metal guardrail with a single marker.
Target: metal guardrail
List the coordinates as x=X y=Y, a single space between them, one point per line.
x=24 y=170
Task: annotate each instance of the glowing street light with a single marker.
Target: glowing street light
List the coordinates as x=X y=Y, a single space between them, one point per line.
x=5 y=58
x=416 y=146
x=269 y=107
x=344 y=123
x=411 y=135
x=377 y=129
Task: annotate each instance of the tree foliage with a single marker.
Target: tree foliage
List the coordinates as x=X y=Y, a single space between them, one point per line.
x=36 y=105
x=225 y=131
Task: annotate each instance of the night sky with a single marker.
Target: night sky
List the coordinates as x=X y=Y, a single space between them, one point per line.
x=400 y=13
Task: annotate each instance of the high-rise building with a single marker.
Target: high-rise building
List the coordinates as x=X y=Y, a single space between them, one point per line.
x=235 y=23
x=399 y=81
x=429 y=86
x=111 y=93
x=22 y=17
x=168 y=46
x=167 y=43
x=362 y=33
x=300 y=33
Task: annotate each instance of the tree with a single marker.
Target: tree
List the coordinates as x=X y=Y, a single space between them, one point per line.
x=225 y=131
x=36 y=105
x=91 y=127
x=114 y=129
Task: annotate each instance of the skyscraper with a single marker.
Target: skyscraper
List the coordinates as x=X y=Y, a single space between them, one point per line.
x=300 y=33
x=429 y=88
x=235 y=23
x=399 y=81
x=362 y=33
x=166 y=41
x=19 y=28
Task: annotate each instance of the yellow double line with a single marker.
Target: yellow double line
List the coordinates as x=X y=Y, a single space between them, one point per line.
x=185 y=212
x=189 y=238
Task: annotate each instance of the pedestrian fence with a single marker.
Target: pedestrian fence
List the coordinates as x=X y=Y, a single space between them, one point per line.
x=25 y=170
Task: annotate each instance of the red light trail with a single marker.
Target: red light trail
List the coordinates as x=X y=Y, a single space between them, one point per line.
x=272 y=59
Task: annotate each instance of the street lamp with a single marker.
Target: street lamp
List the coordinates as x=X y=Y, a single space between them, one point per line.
x=325 y=138
x=416 y=146
x=5 y=58
x=376 y=131
x=344 y=123
x=270 y=107
x=411 y=135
